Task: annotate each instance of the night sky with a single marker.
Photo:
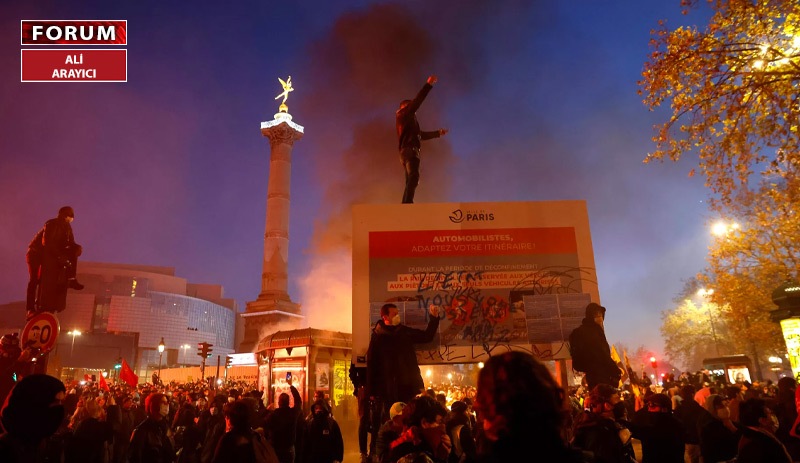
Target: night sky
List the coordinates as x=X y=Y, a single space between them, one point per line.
x=171 y=169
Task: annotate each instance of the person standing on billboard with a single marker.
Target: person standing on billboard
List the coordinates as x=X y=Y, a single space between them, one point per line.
x=410 y=138
x=392 y=370
x=590 y=351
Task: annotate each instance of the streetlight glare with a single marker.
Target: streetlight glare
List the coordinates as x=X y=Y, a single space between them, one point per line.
x=74 y=333
x=705 y=292
x=722 y=228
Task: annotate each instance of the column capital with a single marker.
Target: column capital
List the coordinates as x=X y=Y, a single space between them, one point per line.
x=282 y=130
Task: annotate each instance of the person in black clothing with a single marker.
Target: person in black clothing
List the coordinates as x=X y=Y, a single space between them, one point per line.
x=464 y=449
x=590 y=351
x=323 y=438
x=149 y=441
x=358 y=377
x=32 y=413
x=282 y=425
x=52 y=259
x=124 y=429
x=410 y=136
x=187 y=436
x=786 y=411
x=661 y=433
x=212 y=427
x=597 y=430
x=392 y=370
x=240 y=444
x=719 y=436
x=758 y=443
x=691 y=415
x=522 y=410
x=92 y=433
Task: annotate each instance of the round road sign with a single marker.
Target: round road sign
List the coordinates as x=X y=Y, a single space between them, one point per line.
x=41 y=332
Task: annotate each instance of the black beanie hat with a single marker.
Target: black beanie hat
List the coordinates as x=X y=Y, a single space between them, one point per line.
x=66 y=211
x=593 y=308
x=32 y=411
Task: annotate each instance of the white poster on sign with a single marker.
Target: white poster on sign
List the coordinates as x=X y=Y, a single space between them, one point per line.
x=323 y=375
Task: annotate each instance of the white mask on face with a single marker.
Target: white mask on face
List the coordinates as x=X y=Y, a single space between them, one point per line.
x=396 y=320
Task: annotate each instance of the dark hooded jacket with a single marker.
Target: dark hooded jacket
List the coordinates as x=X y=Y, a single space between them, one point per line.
x=323 y=438
x=392 y=369
x=591 y=353
x=31 y=414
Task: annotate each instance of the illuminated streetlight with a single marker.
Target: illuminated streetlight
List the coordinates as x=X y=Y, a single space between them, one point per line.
x=161 y=348
x=73 y=333
x=722 y=228
x=775 y=360
x=428 y=373
x=480 y=365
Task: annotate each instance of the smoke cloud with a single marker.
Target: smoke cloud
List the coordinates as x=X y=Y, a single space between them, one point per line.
x=370 y=61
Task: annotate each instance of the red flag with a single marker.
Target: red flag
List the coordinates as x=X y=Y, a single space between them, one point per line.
x=103 y=385
x=127 y=375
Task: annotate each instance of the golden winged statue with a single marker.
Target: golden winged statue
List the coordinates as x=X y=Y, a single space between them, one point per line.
x=287 y=87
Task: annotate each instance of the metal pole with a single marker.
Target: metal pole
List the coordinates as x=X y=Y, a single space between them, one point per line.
x=216 y=377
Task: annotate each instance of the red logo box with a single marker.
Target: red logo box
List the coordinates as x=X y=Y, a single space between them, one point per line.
x=84 y=32
x=74 y=65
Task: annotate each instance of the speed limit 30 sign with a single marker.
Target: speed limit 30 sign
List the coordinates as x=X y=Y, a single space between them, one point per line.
x=41 y=332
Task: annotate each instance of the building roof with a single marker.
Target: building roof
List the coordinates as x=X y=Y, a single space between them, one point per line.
x=305 y=337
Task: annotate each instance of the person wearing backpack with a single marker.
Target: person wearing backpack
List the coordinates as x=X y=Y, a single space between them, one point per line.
x=459 y=429
x=241 y=444
x=589 y=349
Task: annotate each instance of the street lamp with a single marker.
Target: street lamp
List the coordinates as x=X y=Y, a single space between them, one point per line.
x=161 y=347
x=722 y=228
x=73 y=333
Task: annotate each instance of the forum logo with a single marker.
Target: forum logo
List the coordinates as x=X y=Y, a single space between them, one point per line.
x=458 y=216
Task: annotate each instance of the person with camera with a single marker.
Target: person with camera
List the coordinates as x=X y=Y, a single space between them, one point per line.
x=283 y=422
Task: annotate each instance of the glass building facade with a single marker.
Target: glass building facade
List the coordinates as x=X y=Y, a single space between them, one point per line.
x=152 y=303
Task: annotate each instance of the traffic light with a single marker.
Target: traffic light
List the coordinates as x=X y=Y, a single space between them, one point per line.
x=228 y=360
x=204 y=349
x=653 y=362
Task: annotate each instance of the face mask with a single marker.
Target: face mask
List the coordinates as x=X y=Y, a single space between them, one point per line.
x=396 y=320
x=164 y=410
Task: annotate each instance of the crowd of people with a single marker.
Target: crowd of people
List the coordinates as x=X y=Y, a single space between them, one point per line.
x=45 y=421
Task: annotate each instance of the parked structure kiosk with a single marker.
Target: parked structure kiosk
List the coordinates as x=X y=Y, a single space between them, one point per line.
x=733 y=368
x=318 y=360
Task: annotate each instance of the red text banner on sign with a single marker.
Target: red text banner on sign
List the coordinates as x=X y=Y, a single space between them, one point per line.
x=74 y=65
x=85 y=32
x=506 y=241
